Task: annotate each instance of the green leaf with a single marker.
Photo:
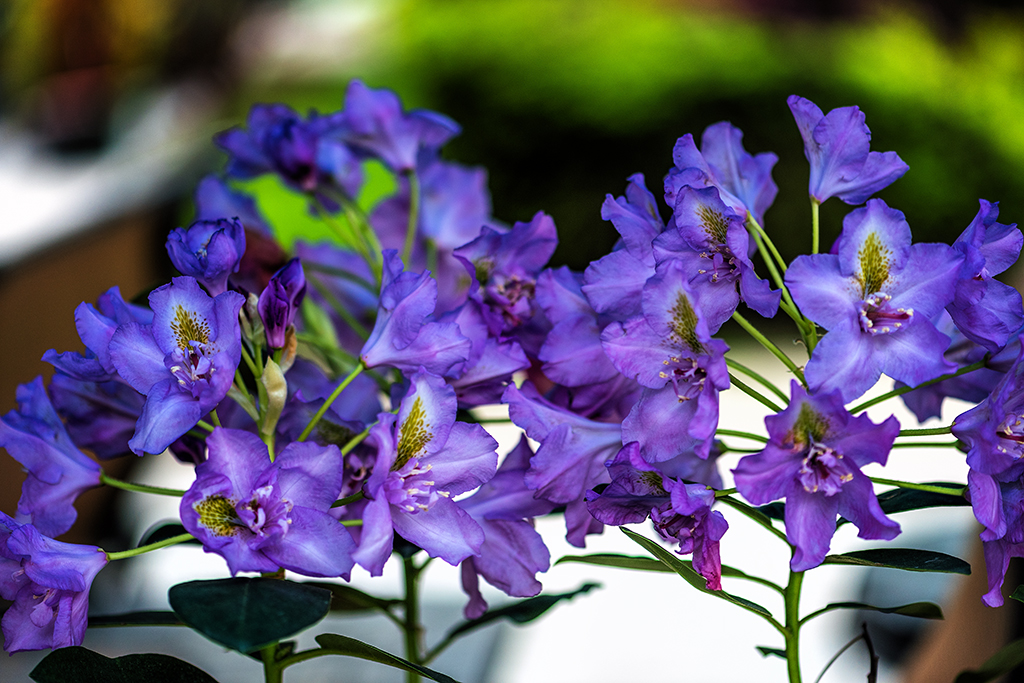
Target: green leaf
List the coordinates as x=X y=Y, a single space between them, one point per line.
x=907 y=559
x=161 y=531
x=137 y=619
x=1004 y=661
x=771 y=651
x=248 y=614
x=335 y=644
x=776 y=510
x=79 y=665
x=520 y=612
x=348 y=599
x=689 y=575
x=645 y=564
x=1018 y=593
x=904 y=500
x=921 y=610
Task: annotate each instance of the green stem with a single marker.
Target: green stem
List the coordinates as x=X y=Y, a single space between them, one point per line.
x=355 y=441
x=927 y=444
x=755 y=515
x=351 y=522
x=411 y=624
x=725 y=448
x=767 y=343
x=919 y=487
x=272 y=672
x=903 y=390
x=256 y=372
x=792 y=594
x=837 y=655
x=346 y=232
x=414 y=215
x=741 y=435
x=338 y=307
x=347 y=500
x=757 y=377
x=724 y=492
x=767 y=241
x=330 y=399
x=173 y=540
x=754 y=394
x=215 y=418
x=205 y=425
x=343 y=274
x=934 y=431
x=140 y=488
x=815 y=223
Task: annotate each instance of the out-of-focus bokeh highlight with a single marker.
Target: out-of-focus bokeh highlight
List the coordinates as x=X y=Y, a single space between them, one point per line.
x=107 y=108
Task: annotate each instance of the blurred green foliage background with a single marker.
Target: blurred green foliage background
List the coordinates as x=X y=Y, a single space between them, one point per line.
x=561 y=100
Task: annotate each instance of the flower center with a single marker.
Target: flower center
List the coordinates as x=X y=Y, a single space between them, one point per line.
x=1011 y=433
x=877 y=316
x=686 y=375
x=683 y=324
x=715 y=225
x=265 y=514
x=823 y=470
x=411 y=487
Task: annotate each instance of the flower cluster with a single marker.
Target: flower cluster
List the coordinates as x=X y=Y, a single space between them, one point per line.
x=326 y=397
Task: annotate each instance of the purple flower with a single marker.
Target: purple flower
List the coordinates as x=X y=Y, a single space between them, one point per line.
x=713 y=243
x=975 y=386
x=613 y=284
x=424 y=457
x=998 y=503
x=404 y=337
x=506 y=264
x=994 y=429
x=680 y=512
x=837 y=145
x=670 y=352
x=454 y=205
x=571 y=457
x=745 y=181
x=96 y=326
x=512 y=552
x=813 y=460
x=261 y=515
x=374 y=123
x=280 y=301
x=48 y=581
x=491 y=360
x=99 y=416
x=306 y=154
x=57 y=471
x=184 y=362
x=986 y=310
x=209 y=251
x=876 y=295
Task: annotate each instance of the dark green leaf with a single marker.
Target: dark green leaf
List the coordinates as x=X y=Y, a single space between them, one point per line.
x=903 y=558
x=335 y=644
x=520 y=612
x=161 y=531
x=686 y=571
x=771 y=651
x=79 y=665
x=904 y=500
x=776 y=510
x=646 y=564
x=1004 y=661
x=1018 y=593
x=137 y=619
x=348 y=599
x=921 y=610
x=247 y=614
